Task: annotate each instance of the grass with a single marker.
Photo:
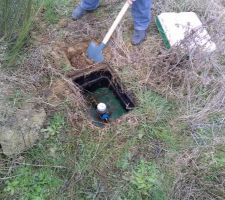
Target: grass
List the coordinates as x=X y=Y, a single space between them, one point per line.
x=153 y=107
x=145 y=180
x=78 y=160
x=65 y=67
x=155 y=113
x=30 y=183
x=55 y=125
x=16 y=18
x=164 y=149
x=16 y=98
x=205 y=176
x=53 y=10
x=50 y=14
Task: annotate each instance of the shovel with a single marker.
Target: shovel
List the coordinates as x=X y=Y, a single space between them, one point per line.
x=95 y=51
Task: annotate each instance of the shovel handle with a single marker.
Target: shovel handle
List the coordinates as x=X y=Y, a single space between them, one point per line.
x=115 y=23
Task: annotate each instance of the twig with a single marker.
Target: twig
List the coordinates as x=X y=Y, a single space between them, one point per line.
x=33 y=165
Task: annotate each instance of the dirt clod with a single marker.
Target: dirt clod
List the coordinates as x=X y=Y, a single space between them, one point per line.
x=63 y=23
x=71 y=52
x=77 y=56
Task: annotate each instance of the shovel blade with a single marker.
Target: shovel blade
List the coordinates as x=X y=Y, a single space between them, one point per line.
x=95 y=52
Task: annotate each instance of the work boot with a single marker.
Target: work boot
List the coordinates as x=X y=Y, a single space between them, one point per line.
x=138 y=37
x=78 y=12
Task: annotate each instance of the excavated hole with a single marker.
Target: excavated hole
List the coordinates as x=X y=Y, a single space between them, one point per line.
x=103 y=86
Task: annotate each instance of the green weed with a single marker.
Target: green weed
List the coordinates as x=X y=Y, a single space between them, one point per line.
x=222 y=60
x=32 y=184
x=145 y=177
x=56 y=124
x=146 y=181
x=220 y=160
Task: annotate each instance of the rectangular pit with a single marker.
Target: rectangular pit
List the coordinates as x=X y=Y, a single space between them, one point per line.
x=103 y=86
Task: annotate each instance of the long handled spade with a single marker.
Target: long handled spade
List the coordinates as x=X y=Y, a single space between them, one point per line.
x=95 y=52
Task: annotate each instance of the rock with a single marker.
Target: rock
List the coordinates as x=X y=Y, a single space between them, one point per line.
x=19 y=127
x=24 y=132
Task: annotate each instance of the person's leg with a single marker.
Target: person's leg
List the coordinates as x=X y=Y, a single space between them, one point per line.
x=89 y=4
x=141 y=11
x=84 y=6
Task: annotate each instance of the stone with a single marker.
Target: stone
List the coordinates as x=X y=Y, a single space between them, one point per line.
x=19 y=127
x=24 y=131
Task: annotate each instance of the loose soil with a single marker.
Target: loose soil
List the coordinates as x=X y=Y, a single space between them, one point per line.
x=78 y=58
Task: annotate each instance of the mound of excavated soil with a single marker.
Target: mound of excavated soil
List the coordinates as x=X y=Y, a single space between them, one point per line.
x=78 y=57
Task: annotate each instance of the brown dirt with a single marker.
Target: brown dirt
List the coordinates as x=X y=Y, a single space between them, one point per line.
x=77 y=55
x=60 y=91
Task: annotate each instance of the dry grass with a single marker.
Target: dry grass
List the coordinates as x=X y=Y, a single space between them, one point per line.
x=194 y=79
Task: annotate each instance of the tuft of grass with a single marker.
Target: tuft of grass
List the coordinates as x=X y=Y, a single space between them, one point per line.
x=16 y=19
x=53 y=10
x=65 y=67
x=145 y=182
x=219 y=158
x=56 y=124
x=204 y=173
x=32 y=183
x=124 y=161
x=145 y=177
x=13 y=15
x=50 y=15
